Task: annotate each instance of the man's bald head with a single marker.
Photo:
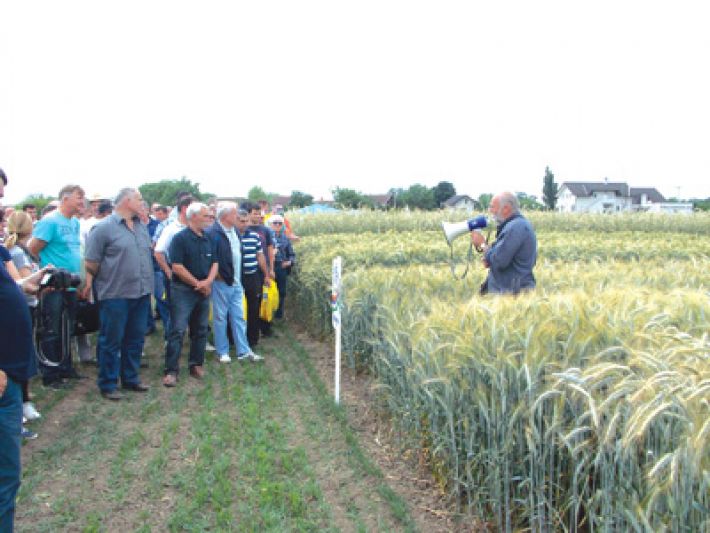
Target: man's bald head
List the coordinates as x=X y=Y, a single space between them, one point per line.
x=503 y=206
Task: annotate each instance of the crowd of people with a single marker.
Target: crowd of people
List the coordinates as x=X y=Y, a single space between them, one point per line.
x=131 y=264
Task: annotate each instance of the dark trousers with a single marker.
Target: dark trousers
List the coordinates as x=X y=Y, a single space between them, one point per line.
x=187 y=308
x=281 y=280
x=162 y=302
x=121 y=339
x=57 y=316
x=10 y=430
x=252 y=291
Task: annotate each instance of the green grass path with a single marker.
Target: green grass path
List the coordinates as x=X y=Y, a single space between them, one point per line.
x=253 y=447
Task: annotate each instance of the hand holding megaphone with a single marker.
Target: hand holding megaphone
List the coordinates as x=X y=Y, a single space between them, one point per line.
x=475 y=225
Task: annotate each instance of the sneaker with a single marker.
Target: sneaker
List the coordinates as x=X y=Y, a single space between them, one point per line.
x=254 y=357
x=209 y=347
x=28 y=434
x=224 y=358
x=243 y=357
x=29 y=411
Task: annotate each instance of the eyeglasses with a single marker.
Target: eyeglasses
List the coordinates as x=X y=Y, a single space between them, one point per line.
x=277 y=223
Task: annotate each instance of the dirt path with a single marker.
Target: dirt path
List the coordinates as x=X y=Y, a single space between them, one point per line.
x=253 y=447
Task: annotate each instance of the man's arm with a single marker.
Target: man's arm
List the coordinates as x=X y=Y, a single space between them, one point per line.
x=35 y=246
x=184 y=275
x=92 y=270
x=264 y=269
x=163 y=264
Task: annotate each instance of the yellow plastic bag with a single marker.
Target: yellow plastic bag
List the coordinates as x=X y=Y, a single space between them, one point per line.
x=269 y=302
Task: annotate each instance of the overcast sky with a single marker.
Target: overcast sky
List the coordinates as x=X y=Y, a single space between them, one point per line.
x=366 y=94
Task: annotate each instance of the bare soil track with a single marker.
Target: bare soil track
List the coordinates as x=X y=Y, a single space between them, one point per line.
x=252 y=447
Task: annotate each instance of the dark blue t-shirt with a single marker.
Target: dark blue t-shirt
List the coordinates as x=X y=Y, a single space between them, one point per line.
x=17 y=352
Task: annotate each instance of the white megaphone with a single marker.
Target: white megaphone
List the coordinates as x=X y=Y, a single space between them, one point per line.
x=451 y=231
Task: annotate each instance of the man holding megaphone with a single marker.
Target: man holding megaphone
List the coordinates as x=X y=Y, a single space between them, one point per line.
x=512 y=256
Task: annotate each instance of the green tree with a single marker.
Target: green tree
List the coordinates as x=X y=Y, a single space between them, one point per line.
x=165 y=191
x=701 y=205
x=256 y=193
x=529 y=201
x=38 y=199
x=485 y=200
x=549 y=189
x=418 y=197
x=349 y=198
x=300 y=199
x=443 y=191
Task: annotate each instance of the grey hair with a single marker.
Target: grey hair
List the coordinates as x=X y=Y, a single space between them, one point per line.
x=225 y=207
x=194 y=208
x=123 y=194
x=508 y=198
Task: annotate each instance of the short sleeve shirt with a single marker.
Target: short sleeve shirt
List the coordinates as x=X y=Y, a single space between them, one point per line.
x=194 y=252
x=21 y=259
x=63 y=249
x=124 y=258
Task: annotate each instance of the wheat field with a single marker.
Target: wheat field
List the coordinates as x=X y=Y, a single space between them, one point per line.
x=584 y=405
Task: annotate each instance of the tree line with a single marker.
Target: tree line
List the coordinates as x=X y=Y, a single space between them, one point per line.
x=416 y=196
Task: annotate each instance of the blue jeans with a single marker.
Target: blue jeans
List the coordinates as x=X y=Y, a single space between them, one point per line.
x=187 y=307
x=162 y=300
x=58 y=313
x=227 y=305
x=120 y=341
x=10 y=429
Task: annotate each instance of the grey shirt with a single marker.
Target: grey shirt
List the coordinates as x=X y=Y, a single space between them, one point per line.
x=124 y=258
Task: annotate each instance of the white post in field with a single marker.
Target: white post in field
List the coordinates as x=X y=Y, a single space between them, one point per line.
x=336 y=304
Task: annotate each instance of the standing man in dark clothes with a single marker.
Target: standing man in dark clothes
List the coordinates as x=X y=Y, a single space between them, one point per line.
x=194 y=268
x=267 y=238
x=511 y=258
x=17 y=355
x=255 y=274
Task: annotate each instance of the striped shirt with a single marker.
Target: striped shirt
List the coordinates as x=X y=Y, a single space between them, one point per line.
x=251 y=246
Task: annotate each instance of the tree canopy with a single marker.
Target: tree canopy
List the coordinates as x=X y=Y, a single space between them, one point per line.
x=300 y=199
x=165 y=192
x=443 y=191
x=38 y=199
x=349 y=198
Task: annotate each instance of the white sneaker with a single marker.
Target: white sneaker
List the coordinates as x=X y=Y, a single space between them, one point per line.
x=224 y=358
x=254 y=357
x=29 y=411
x=243 y=357
x=210 y=348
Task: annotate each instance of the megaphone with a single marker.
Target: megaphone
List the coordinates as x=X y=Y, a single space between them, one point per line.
x=451 y=231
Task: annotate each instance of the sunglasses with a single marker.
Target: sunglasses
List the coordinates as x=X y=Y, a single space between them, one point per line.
x=279 y=223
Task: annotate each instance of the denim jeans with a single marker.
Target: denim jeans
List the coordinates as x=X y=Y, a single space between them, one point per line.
x=162 y=300
x=10 y=430
x=227 y=307
x=187 y=307
x=120 y=341
x=58 y=309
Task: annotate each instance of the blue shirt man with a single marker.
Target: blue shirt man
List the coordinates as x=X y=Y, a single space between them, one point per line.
x=511 y=258
x=56 y=241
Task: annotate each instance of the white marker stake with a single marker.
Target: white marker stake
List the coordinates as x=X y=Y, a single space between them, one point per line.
x=335 y=303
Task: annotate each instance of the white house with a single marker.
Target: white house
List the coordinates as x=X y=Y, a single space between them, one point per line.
x=593 y=197
x=610 y=197
x=460 y=201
